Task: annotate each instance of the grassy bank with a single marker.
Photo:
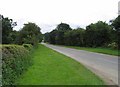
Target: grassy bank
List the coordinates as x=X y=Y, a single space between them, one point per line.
x=53 y=68
x=98 y=50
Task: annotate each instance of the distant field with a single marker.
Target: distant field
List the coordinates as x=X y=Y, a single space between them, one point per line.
x=53 y=68
x=98 y=50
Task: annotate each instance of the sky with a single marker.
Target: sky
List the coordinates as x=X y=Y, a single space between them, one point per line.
x=119 y=8
x=47 y=14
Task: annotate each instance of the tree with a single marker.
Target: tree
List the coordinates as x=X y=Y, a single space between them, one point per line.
x=63 y=27
x=59 y=38
x=52 y=36
x=40 y=36
x=98 y=34
x=13 y=36
x=116 y=25
x=57 y=35
x=7 y=28
x=75 y=37
x=29 y=34
x=46 y=37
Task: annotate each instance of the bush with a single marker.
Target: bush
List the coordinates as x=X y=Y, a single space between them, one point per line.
x=15 y=60
x=28 y=46
x=113 y=45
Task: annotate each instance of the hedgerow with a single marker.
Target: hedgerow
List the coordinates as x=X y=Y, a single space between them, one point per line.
x=15 y=60
x=28 y=46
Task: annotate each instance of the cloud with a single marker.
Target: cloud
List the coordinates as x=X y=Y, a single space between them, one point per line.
x=48 y=13
x=47 y=27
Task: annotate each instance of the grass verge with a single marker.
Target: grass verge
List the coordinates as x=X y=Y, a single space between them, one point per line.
x=53 y=68
x=98 y=50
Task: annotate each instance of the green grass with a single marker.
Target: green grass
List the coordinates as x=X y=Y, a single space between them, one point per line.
x=53 y=68
x=98 y=50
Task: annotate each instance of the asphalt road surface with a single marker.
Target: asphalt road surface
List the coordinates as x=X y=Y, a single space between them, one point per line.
x=105 y=66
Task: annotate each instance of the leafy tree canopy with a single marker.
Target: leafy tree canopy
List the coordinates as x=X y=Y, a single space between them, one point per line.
x=63 y=27
x=7 y=28
x=30 y=34
x=116 y=23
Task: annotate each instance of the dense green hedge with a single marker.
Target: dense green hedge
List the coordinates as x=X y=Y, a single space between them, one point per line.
x=28 y=46
x=15 y=60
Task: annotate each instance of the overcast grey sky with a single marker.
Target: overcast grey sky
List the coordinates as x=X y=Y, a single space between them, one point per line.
x=48 y=13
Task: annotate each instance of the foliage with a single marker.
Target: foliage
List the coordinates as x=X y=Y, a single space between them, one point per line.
x=75 y=37
x=63 y=27
x=7 y=28
x=30 y=34
x=46 y=37
x=28 y=46
x=13 y=37
x=52 y=36
x=116 y=25
x=113 y=45
x=15 y=60
x=57 y=35
x=59 y=38
x=40 y=37
x=97 y=34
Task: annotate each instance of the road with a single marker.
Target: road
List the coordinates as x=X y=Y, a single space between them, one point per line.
x=105 y=66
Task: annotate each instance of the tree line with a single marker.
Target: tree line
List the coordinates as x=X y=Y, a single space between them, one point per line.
x=29 y=34
x=100 y=34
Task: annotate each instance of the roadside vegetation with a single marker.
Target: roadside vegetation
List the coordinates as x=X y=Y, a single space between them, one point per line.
x=109 y=51
x=96 y=35
x=20 y=49
x=52 y=68
x=15 y=60
x=17 y=47
x=29 y=34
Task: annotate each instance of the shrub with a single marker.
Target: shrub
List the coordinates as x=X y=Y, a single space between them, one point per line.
x=113 y=45
x=28 y=46
x=15 y=60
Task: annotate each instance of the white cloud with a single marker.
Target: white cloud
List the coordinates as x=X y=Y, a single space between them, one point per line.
x=48 y=13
